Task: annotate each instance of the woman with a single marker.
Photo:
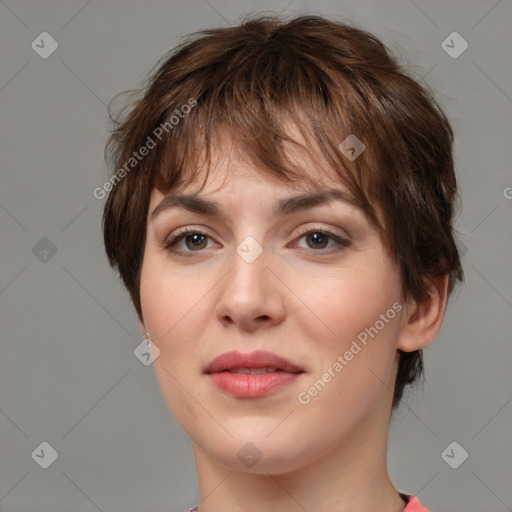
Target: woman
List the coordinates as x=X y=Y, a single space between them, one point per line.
x=281 y=214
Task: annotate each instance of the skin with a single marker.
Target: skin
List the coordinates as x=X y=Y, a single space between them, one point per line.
x=301 y=301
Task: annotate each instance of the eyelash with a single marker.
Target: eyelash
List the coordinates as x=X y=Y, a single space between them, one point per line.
x=169 y=244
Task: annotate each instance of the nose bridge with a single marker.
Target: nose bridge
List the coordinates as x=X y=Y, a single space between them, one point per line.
x=248 y=278
x=250 y=293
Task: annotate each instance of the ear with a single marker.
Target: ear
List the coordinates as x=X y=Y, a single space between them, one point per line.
x=424 y=319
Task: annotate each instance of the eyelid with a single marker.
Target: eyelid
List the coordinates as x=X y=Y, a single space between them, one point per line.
x=303 y=231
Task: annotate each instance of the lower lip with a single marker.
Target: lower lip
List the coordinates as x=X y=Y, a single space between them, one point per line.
x=247 y=385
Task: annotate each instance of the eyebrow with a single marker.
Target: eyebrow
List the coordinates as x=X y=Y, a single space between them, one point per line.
x=287 y=206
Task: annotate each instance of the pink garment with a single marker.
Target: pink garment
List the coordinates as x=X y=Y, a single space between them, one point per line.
x=413 y=505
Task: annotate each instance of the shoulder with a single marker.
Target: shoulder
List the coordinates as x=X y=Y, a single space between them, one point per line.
x=414 y=505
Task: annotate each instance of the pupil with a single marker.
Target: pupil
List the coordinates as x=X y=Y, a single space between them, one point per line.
x=317 y=237
x=196 y=238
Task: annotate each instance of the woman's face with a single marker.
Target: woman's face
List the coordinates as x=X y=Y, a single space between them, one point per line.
x=258 y=279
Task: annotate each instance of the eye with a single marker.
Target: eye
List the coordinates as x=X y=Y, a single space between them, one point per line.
x=317 y=239
x=196 y=240
x=193 y=238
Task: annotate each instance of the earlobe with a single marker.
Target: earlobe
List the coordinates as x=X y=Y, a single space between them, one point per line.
x=424 y=319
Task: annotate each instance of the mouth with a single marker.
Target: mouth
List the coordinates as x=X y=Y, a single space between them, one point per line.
x=252 y=375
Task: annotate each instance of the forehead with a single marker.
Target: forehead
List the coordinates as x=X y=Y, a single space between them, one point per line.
x=234 y=161
x=235 y=183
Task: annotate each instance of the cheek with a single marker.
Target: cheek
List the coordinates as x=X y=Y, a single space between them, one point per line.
x=164 y=293
x=172 y=309
x=174 y=306
x=340 y=306
x=344 y=319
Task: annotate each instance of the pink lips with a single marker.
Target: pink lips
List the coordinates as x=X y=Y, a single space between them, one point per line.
x=258 y=359
x=251 y=385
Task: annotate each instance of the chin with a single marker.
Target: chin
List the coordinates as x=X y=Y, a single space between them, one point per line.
x=259 y=452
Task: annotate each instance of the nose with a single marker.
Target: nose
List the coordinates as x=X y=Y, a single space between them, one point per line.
x=250 y=296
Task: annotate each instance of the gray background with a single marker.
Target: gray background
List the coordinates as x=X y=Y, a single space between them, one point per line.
x=69 y=376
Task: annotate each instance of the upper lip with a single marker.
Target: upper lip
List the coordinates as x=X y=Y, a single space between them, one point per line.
x=259 y=359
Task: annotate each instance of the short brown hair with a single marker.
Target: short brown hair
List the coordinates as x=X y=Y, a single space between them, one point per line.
x=332 y=80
